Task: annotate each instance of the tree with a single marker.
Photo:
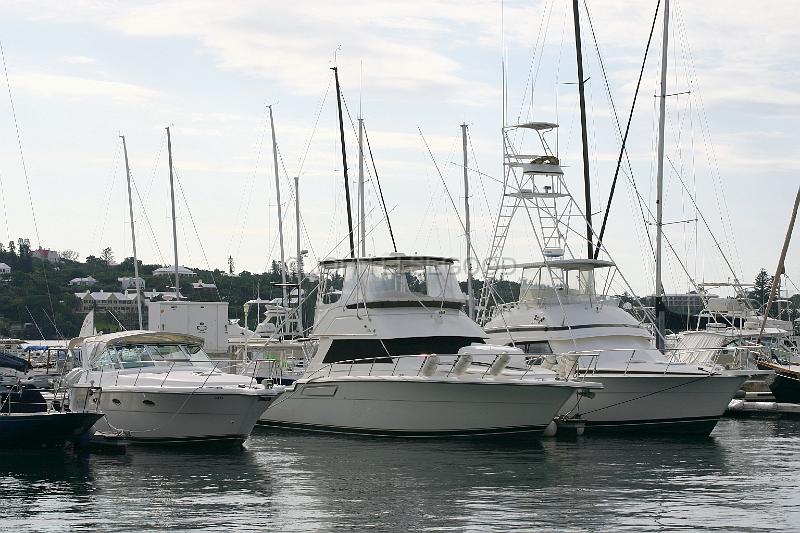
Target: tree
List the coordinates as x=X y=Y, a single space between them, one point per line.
x=12 y=248
x=230 y=265
x=761 y=287
x=107 y=255
x=69 y=255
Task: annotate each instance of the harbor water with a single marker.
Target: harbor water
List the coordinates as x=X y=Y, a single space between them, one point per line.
x=743 y=478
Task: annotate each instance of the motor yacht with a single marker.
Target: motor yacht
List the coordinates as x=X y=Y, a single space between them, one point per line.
x=560 y=311
x=162 y=387
x=396 y=356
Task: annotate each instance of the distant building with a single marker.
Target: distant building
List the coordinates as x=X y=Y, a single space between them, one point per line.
x=46 y=255
x=200 y=285
x=130 y=283
x=170 y=271
x=83 y=282
x=5 y=269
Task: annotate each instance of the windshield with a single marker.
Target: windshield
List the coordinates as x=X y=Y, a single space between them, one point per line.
x=139 y=355
x=397 y=281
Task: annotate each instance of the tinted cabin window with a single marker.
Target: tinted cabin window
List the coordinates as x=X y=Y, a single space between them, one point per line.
x=535 y=347
x=374 y=350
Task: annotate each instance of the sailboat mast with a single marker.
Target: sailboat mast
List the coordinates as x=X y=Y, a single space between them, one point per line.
x=470 y=291
x=344 y=164
x=133 y=234
x=587 y=187
x=780 y=270
x=174 y=223
x=280 y=212
x=299 y=256
x=362 y=234
x=660 y=318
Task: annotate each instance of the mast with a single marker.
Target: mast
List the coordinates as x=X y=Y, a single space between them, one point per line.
x=133 y=234
x=779 y=271
x=280 y=213
x=299 y=256
x=362 y=234
x=587 y=188
x=470 y=291
x=174 y=224
x=660 y=318
x=344 y=164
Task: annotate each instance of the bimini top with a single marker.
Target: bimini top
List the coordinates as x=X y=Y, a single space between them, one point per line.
x=389 y=260
x=569 y=264
x=93 y=346
x=538 y=126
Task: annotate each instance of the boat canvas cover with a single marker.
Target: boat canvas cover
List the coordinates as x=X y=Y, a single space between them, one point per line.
x=13 y=362
x=93 y=347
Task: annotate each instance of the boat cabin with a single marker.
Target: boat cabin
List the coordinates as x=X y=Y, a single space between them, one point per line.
x=396 y=280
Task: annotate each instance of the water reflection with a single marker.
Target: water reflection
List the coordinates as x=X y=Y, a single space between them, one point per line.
x=743 y=478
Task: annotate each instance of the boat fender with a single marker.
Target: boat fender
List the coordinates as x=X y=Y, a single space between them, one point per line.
x=430 y=365
x=462 y=363
x=549 y=362
x=550 y=430
x=566 y=364
x=499 y=364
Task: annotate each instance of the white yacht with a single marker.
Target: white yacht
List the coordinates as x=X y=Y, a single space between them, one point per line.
x=643 y=389
x=394 y=357
x=162 y=387
x=560 y=310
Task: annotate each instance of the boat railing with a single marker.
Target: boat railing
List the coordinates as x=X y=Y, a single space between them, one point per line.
x=447 y=365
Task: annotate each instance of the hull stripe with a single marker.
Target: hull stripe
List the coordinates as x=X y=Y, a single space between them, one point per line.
x=529 y=430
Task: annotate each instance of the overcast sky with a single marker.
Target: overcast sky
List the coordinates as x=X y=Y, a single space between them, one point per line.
x=81 y=73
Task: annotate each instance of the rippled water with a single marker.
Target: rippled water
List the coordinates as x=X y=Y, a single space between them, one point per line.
x=745 y=477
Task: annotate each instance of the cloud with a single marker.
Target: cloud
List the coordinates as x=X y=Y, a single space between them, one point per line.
x=61 y=86
x=79 y=60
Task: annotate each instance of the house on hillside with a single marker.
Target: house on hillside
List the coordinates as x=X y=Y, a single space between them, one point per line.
x=5 y=269
x=203 y=286
x=46 y=255
x=130 y=283
x=170 y=271
x=83 y=282
x=116 y=302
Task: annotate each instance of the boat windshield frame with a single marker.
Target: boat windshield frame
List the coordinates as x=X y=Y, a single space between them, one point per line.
x=565 y=281
x=121 y=356
x=393 y=280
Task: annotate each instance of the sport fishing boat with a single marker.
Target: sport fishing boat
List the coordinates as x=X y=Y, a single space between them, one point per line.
x=396 y=356
x=559 y=310
x=162 y=387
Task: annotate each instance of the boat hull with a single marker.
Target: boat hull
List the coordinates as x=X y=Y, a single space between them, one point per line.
x=786 y=387
x=655 y=403
x=161 y=416
x=38 y=430
x=392 y=407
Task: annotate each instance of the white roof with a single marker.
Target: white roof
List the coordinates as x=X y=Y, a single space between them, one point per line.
x=4 y=265
x=168 y=271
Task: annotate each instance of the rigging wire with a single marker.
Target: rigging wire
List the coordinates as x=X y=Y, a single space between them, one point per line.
x=623 y=149
x=25 y=173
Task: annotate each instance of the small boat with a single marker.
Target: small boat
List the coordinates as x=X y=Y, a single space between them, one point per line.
x=785 y=385
x=27 y=420
x=162 y=387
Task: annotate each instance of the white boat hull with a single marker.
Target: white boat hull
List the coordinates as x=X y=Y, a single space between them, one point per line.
x=157 y=415
x=690 y=404
x=403 y=407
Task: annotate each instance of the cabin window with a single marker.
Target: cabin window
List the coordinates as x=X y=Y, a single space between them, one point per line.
x=380 y=351
x=141 y=355
x=534 y=347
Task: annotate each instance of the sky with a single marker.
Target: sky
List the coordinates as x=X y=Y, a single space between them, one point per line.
x=82 y=73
